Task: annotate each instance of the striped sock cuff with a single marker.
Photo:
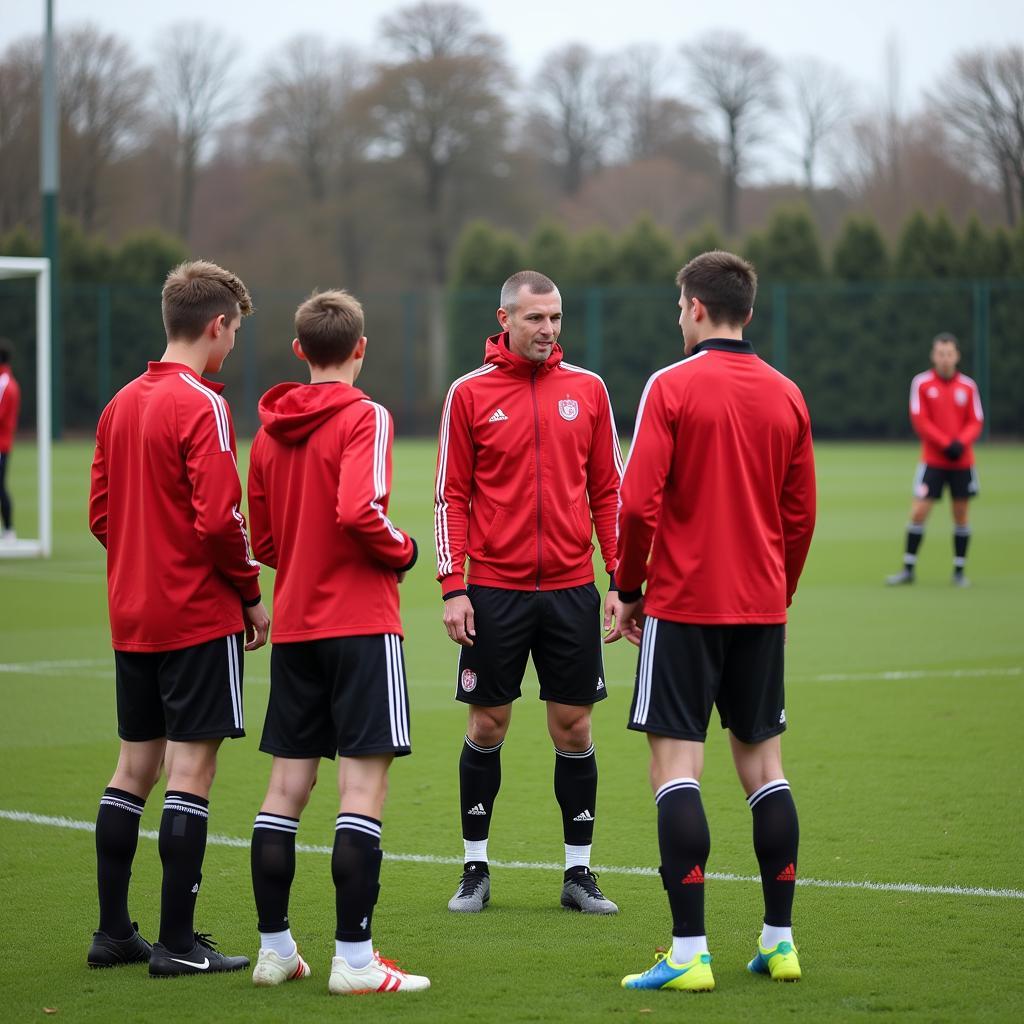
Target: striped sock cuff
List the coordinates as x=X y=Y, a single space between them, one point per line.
x=358 y=823
x=915 y=528
x=675 y=784
x=122 y=801
x=483 y=750
x=961 y=531
x=276 y=822
x=575 y=753
x=186 y=803
x=775 y=786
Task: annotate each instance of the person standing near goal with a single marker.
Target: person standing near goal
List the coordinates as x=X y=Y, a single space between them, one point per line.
x=319 y=484
x=717 y=512
x=528 y=466
x=945 y=412
x=183 y=590
x=10 y=405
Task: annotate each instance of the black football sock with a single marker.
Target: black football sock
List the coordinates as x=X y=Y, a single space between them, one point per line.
x=479 y=782
x=117 y=837
x=355 y=866
x=685 y=843
x=915 y=534
x=182 y=845
x=272 y=856
x=961 y=538
x=776 y=839
x=576 y=793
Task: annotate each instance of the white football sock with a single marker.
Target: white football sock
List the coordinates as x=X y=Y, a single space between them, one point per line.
x=281 y=943
x=476 y=849
x=772 y=936
x=686 y=947
x=577 y=856
x=356 y=954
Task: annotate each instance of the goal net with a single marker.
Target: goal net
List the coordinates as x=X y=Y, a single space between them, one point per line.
x=41 y=545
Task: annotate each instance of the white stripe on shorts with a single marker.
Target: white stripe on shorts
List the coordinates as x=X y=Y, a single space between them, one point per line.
x=644 y=671
x=234 y=683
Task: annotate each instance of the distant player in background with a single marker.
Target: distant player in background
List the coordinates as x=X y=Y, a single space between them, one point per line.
x=182 y=590
x=319 y=480
x=717 y=512
x=10 y=404
x=945 y=412
x=528 y=467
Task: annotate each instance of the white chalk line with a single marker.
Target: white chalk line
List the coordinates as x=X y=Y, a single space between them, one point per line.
x=105 y=666
x=27 y=817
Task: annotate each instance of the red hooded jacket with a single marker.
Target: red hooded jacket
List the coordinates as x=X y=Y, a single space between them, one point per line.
x=943 y=411
x=319 y=483
x=10 y=403
x=528 y=458
x=720 y=479
x=164 y=503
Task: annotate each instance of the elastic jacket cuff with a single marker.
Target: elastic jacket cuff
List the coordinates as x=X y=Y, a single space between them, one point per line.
x=452 y=584
x=251 y=602
x=412 y=561
x=611 y=582
x=454 y=593
x=629 y=596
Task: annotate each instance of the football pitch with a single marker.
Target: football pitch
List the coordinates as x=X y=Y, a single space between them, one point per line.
x=903 y=751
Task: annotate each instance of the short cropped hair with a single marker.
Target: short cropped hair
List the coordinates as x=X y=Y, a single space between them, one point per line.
x=328 y=325
x=197 y=291
x=945 y=338
x=536 y=283
x=725 y=283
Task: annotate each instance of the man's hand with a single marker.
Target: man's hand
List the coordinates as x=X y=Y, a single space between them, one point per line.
x=629 y=619
x=953 y=450
x=611 y=604
x=257 y=626
x=458 y=620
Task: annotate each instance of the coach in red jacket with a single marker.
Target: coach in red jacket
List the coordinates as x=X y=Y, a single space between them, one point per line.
x=945 y=412
x=717 y=511
x=528 y=465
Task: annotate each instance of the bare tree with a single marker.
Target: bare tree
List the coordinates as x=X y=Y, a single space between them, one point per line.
x=20 y=76
x=103 y=93
x=983 y=101
x=823 y=102
x=577 y=111
x=439 y=102
x=740 y=82
x=195 y=67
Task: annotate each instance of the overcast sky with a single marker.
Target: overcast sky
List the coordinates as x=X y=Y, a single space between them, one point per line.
x=851 y=35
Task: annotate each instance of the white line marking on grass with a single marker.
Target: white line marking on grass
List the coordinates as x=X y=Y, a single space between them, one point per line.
x=53 y=668
x=898 y=674
x=27 y=817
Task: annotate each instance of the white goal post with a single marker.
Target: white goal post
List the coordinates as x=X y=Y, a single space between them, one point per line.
x=42 y=545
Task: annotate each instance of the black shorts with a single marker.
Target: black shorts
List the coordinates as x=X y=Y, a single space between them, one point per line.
x=929 y=482
x=342 y=695
x=684 y=669
x=560 y=628
x=194 y=693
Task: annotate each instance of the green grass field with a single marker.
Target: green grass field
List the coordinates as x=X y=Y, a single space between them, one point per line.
x=905 y=711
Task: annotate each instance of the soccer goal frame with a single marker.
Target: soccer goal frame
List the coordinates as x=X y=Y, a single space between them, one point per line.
x=42 y=545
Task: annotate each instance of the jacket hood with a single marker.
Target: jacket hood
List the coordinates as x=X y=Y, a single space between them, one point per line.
x=291 y=412
x=497 y=351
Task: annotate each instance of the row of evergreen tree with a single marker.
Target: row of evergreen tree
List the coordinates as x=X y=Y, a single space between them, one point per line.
x=788 y=249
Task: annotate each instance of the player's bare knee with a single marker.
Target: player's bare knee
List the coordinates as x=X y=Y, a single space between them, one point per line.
x=487 y=726
x=571 y=734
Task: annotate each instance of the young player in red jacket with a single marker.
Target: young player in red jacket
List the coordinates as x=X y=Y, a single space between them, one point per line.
x=10 y=404
x=716 y=517
x=945 y=412
x=319 y=480
x=528 y=465
x=182 y=588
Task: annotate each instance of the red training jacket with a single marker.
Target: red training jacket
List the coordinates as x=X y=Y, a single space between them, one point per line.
x=10 y=404
x=721 y=476
x=164 y=503
x=943 y=411
x=319 y=482
x=528 y=457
